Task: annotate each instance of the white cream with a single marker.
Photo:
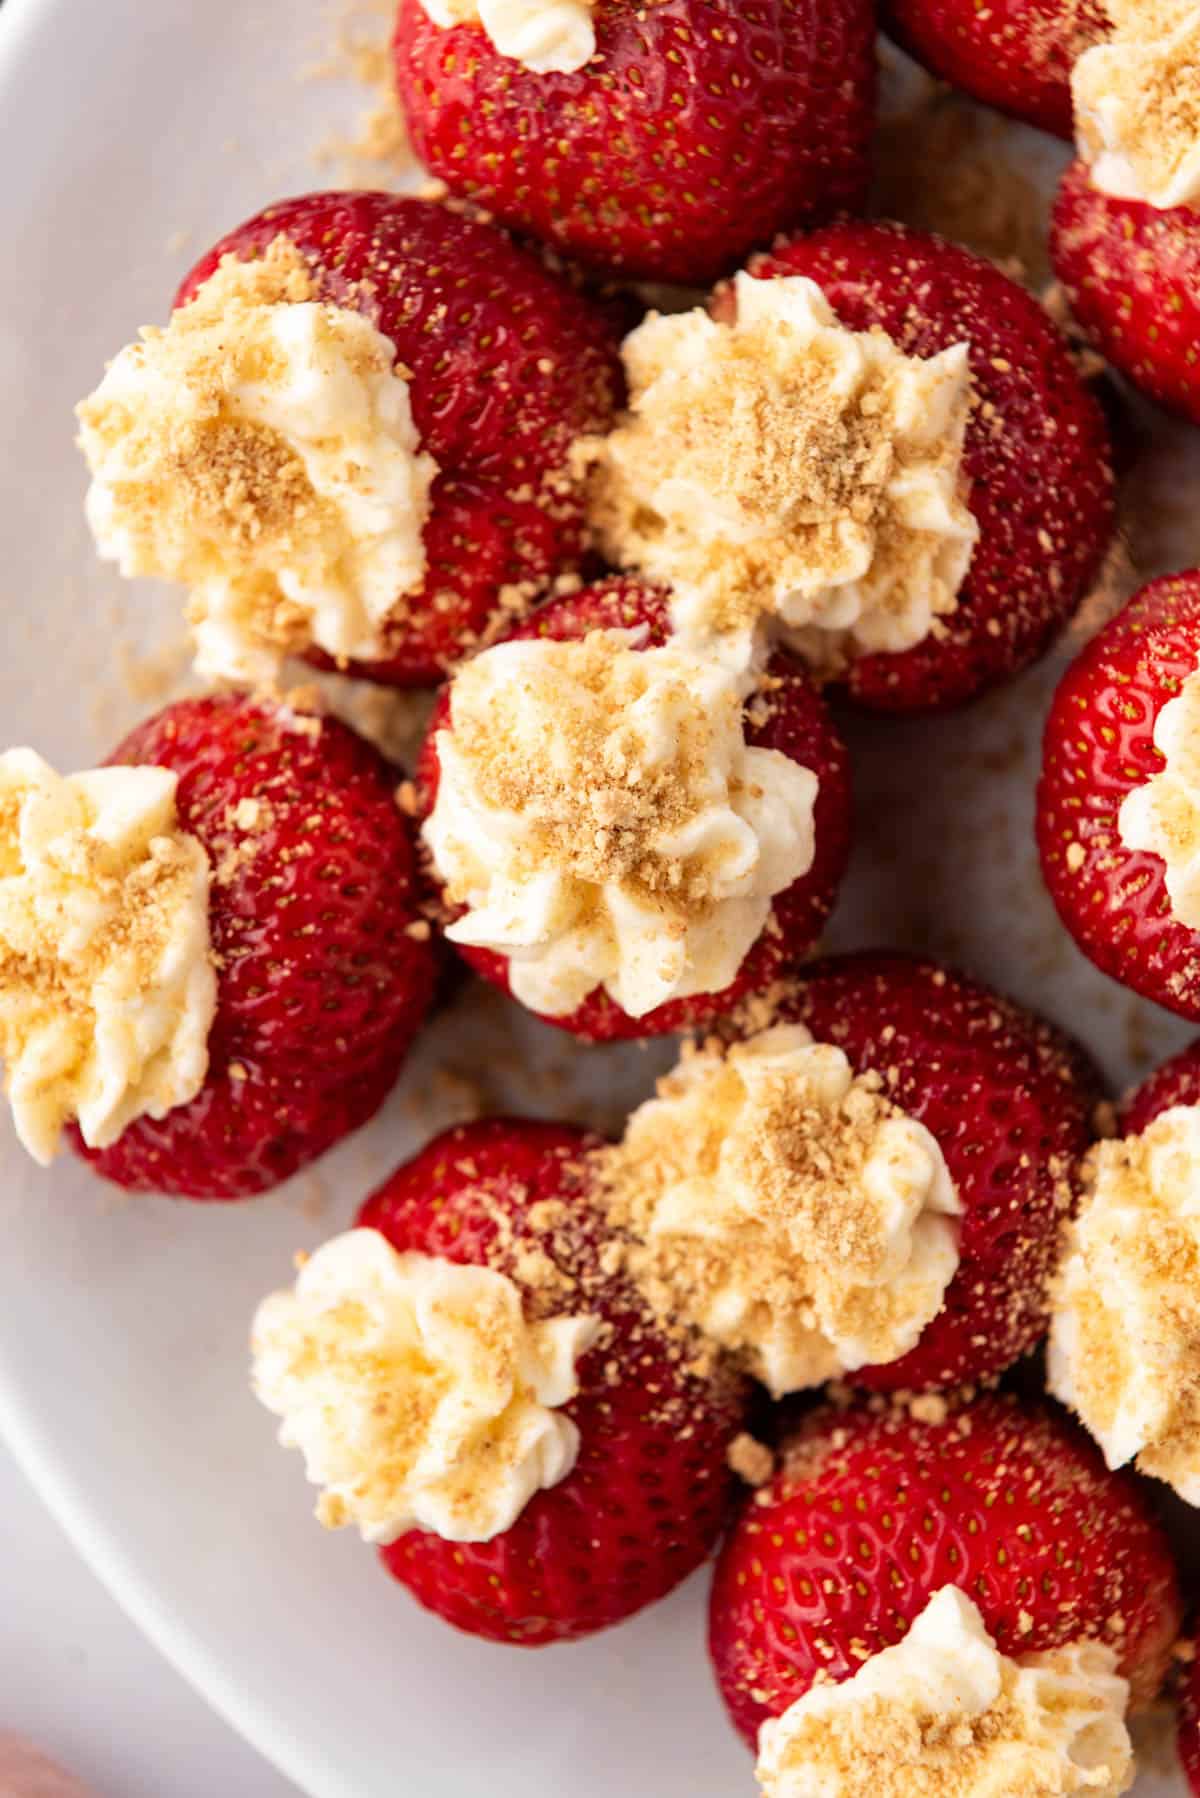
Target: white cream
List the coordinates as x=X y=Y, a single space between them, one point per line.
x=602 y=818
x=1125 y=1333
x=944 y=1714
x=1162 y=816
x=1137 y=104
x=107 y=987
x=788 y=1211
x=546 y=36
x=264 y=455
x=416 y=1391
x=780 y=468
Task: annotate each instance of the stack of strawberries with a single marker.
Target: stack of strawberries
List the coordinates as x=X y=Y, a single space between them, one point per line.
x=648 y=558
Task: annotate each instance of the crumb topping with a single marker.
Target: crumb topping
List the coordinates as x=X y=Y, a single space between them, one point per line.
x=602 y=819
x=1125 y=1336
x=786 y=1208
x=418 y=1393
x=547 y=36
x=782 y=467
x=1162 y=816
x=1137 y=103
x=261 y=450
x=945 y=1715
x=107 y=987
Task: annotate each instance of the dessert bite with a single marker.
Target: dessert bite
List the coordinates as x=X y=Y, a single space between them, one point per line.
x=631 y=835
x=1004 y=1101
x=1124 y=1349
x=1118 y=814
x=482 y=1392
x=212 y=958
x=875 y=449
x=1125 y=236
x=352 y=441
x=1017 y=55
x=894 y=1547
x=663 y=141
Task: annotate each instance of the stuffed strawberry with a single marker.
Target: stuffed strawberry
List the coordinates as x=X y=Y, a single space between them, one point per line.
x=665 y=141
x=352 y=441
x=1014 y=54
x=631 y=835
x=1007 y=1100
x=876 y=449
x=922 y=1561
x=478 y=1387
x=1117 y=807
x=213 y=960
x=1125 y=1336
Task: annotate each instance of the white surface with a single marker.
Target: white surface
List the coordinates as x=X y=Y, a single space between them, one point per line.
x=123 y=1325
x=81 y=1681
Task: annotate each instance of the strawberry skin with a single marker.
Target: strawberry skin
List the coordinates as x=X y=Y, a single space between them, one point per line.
x=648 y=1496
x=1176 y=1082
x=1037 y=452
x=321 y=983
x=871 y=1512
x=1009 y=1099
x=1098 y=746
x=698 y=130
x=1132 y=275
x=1189 y=1726
x=508 y=365
x=1013 y=54
x=798 y=725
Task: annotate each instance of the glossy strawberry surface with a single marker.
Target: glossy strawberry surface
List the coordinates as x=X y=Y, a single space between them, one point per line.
x=1037 y=452
x=698 y=130
x=324 y=965
x=872 y=1512
x=649 y=1493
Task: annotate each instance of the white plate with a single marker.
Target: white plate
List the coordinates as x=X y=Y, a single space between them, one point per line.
x=122 y=1324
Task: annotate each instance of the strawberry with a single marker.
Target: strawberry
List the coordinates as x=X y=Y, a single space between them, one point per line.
x=1189 y=1725
x=697 y=130
x=1098 y=748
x=1176 y=1082
x=1008 y=1099
x=324 y=966
x=1132 y=275
x=872 y=1511
x=648 y=1494
x=507 y=365
x=1014 y=54
x=796 y=723
x=1037 y=452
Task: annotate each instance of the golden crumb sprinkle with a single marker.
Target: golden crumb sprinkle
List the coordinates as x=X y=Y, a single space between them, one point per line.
x=1137 y=103
x=1125 y=1332
x=107 y=986
x=779 y=465
x=785 y=1208
x=260 y=450
x=750 y=1459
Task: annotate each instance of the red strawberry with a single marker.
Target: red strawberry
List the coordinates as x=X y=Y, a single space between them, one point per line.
x=1176 y=1082
x=872 y=1512
x=1189 y=1725
x=1014 y=54
x=1099 y=746
x=1008 y=1099
x=697 y=130
x=507 y=365
x=324 y=965
x=797 y=724
x=647 y=1497
x=1037 y=451
x=1132 y=275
